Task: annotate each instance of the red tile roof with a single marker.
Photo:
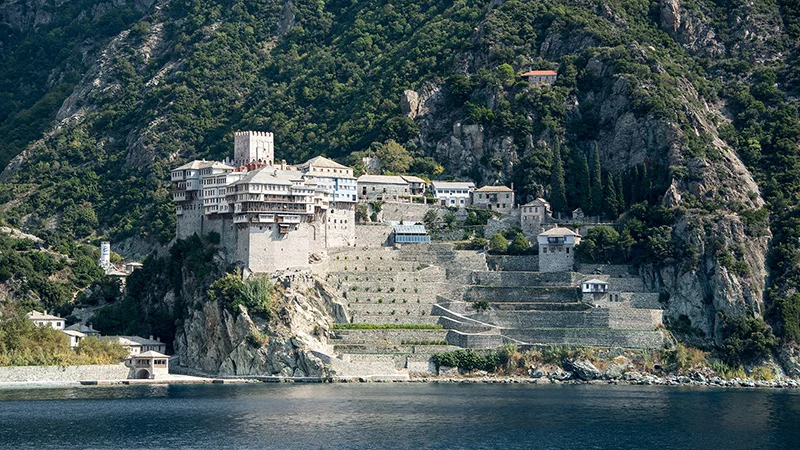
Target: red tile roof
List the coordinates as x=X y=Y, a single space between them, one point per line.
x=539 y=72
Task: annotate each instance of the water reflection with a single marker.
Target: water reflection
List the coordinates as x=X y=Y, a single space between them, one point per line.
x=397 y=416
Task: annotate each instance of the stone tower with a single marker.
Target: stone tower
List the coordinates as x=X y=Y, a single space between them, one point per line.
x=557 y=249
x=253 y=147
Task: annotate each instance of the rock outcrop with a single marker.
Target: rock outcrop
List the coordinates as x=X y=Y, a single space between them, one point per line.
x=215 y=340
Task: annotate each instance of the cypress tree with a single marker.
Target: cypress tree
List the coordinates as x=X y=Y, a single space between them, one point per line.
x=621 y=194
x=585 y=189
x=645 y=186
x=596 y=185
x=558 y=196
x=632 y=187
x=611 y=203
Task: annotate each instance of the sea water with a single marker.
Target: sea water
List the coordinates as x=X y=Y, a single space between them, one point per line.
x=399 y=415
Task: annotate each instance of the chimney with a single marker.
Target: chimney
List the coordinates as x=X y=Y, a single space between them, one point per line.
x=283 y=164
x=158 y=338
x=151 y=337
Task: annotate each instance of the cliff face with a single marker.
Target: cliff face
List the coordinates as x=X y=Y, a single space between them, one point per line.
x=214 y=340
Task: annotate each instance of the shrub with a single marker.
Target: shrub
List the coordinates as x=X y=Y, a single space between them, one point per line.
x=498 y=243
x=470 y=360
x=481 y=305
x=745 y=339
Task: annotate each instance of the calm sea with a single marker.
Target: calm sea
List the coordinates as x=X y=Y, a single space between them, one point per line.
x=366 y=416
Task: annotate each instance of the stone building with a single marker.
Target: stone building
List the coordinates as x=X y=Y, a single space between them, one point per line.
x=269 y=216
x=495 y=198
x=557 y=249
x=384 y=188
x=136 y=345
x=533 y=215
x=540 y=76
x=416 y=185
x=453 y=193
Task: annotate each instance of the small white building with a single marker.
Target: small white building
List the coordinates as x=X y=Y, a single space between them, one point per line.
x=557 y=249
x=148 y=365
x=453 y=193
x=594 y=286
x=137 y=345
x=46 y=320
x=540 y=76
x=75 y=337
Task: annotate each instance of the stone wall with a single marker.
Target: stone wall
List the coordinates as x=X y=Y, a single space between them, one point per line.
x=264 y=249
x=526 y=263
x=498 y=294
x=614 y=270
x=372 y=236
x=33 y=374
x=466 y=340
x=408 y=212
x=502 y=278
x=602 y=338
x=340 y=226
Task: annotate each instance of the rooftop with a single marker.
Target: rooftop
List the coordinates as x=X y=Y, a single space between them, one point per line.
x=559 y=231
x=410 y=229
x=537 y=202
x=594 y=281
x=150 y=354
x=321 y=161
x=36 y=315
x=412 y=179
x=533 y=73
x=82 y=328
x=382 y=179
x=452 y=184
x=203 y=164
x=134 y=340
x=494 y=189
x=271 y=175
x=74 y=333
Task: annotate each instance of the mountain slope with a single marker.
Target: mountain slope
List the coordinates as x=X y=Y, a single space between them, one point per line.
x=695 y=94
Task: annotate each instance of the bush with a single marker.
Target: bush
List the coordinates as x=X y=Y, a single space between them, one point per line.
x=498 y=243
x=745 y=339
x=519 y=245
x=255 y=294
x=470 y=360
x=481 y=305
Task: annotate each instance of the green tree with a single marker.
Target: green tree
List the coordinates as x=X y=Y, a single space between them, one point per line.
x=579 y=182
x=620 y=194
x=519 y=245
x=431 y=219
x=558 y=197
x=394 y=158
x=498 y=243
x=610 y=201
x=596 y=190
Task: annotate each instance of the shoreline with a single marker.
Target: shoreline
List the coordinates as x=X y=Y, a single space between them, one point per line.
x=642 y=380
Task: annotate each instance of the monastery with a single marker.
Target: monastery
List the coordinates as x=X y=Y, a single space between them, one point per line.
x=269 y=216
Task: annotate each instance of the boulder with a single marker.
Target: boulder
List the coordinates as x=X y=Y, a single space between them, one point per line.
x=583 y=370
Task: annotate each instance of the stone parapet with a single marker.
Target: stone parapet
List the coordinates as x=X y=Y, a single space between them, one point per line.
x=468 y=340
x=36 y=374
x=588 y=337
x=510 y=279
x=395 y=336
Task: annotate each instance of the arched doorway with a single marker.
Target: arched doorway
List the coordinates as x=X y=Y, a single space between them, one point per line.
x=143 y=374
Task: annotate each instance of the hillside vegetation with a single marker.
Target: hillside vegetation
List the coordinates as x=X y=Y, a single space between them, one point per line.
x=678 y=117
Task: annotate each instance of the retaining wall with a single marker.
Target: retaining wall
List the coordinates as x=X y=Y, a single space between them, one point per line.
x=614 y=270
x=522 y=294
x=63 y=373
x=465 y=340
x=370 y=236
x=493 y=278
x=578 y=337
x=512 y=263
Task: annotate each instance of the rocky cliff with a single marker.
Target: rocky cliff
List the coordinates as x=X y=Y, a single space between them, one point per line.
x=215 y=340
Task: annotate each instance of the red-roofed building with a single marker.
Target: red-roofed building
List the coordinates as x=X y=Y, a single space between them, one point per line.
x=541 y=76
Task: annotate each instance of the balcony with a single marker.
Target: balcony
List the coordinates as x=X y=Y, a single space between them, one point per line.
x=179 y=196
x=289 y=219
x=558 y=240
x=241 y=219
x=265 y=218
